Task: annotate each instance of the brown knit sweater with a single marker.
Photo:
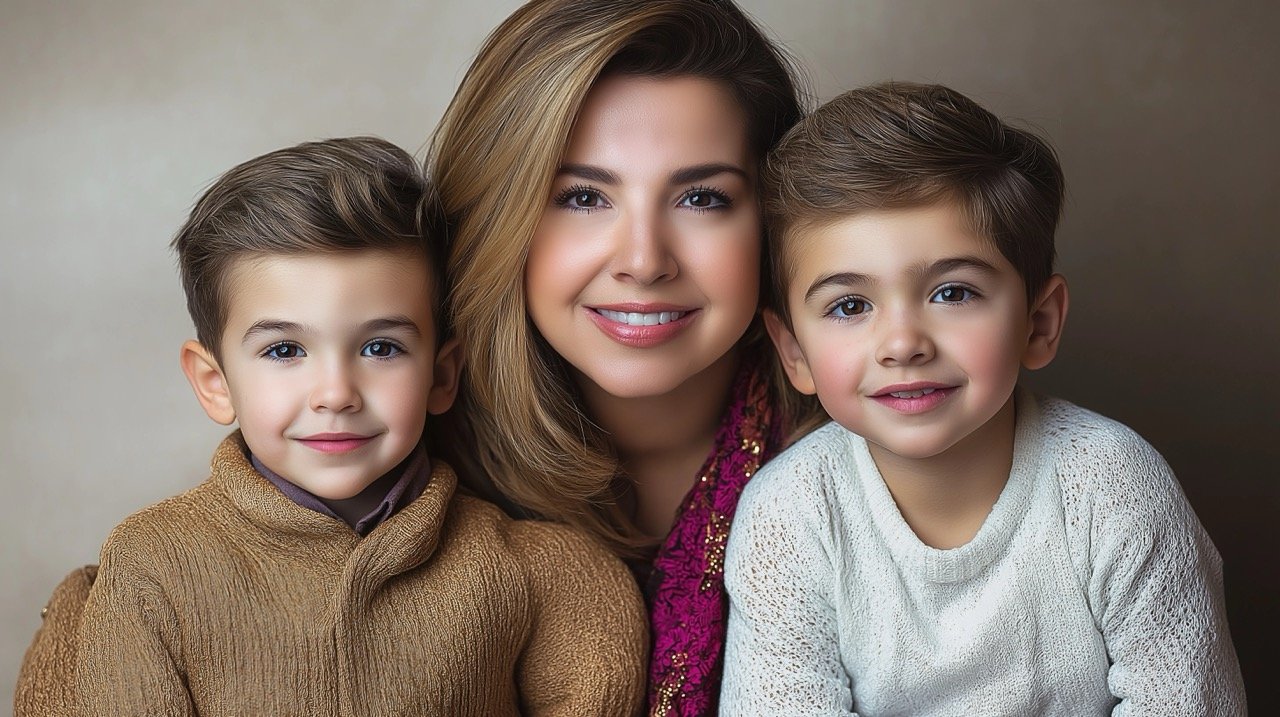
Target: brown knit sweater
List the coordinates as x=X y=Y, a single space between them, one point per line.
x=232 y=600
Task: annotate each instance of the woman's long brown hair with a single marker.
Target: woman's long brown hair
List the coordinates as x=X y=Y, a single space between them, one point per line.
x=518 y=434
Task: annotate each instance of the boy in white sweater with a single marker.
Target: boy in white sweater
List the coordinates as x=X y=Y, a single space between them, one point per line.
x=951 y=544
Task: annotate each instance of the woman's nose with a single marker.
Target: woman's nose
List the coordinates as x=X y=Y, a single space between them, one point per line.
x=643 y=253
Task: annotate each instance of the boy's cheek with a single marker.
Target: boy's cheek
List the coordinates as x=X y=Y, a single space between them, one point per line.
x=835 y=367
x=991 y=348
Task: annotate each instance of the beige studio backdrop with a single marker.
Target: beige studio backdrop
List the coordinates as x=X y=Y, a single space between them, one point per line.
x=114 y=116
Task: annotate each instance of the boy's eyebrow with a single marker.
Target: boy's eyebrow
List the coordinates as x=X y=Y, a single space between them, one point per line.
x=917 y=272
x=844 y=278
x=942 y=266
x=382 y=323
x=392 y=323
x=589 y=172
x=267 y=326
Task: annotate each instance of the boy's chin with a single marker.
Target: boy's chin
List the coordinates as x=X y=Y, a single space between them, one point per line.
x=910 y=448
x=335 y=486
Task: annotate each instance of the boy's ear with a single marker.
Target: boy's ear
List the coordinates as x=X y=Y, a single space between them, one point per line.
x=1048 y=315
x=793 y=360
x=207 y=381
x=444 y=381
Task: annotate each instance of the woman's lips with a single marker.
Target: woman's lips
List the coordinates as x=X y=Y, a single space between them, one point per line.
x=642 y=318
x=335 y=442
x=913 y=398
x=641 y=325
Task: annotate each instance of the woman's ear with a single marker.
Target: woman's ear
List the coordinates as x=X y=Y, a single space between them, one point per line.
x=444 y=379
x=207 y=380
x=1048 y=316
x=793 y=360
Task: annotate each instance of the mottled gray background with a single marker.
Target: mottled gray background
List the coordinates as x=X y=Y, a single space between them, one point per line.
x=114 y=116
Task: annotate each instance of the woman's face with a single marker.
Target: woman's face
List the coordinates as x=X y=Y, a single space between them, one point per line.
x=645 y=268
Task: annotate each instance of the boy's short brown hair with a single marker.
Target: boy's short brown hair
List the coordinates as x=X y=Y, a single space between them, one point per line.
x=897 y=145
x=334 y=195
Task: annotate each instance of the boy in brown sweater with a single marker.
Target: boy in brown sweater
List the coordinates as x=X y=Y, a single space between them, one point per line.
x=327 y=566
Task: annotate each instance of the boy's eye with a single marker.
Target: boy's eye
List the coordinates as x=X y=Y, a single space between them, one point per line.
x=851 y=306
x=284 y=352
x=380 y=349
x=952 y=295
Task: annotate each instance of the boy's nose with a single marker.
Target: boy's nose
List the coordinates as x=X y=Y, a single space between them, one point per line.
x=643 y=254
x=904 y=342
x=335 y=391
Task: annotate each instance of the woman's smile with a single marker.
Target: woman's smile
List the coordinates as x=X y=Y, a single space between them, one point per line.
x=642 y=328
x=645 y=267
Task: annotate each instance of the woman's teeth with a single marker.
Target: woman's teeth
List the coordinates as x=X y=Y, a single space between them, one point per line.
x=913 y=394
x=632 y=318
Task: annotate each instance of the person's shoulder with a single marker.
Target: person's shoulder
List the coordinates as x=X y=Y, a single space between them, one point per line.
x=178 y=524
x=482 y=524
x=1104 y=463
x=1086 y=428
x=550 y=557
x=488 y=528
x=1083 y=437
x=805 y=467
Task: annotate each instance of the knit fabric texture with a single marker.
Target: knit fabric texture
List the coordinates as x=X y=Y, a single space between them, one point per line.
x=46 y=685
x=232 y=600
x=1090 y=589
x=688 y=608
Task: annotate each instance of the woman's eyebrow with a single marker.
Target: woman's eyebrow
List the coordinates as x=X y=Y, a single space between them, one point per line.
x=699 y=172
x=589 y=172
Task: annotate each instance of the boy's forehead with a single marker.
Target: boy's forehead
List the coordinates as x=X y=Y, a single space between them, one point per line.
x=329 y=288
x=367 y=264
x=884 y=240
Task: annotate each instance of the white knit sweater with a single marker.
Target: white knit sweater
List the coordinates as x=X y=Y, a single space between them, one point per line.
x=1090 y=589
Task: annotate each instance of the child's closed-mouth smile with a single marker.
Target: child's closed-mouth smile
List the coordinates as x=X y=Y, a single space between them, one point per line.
x=915 y=397
x=335 y=442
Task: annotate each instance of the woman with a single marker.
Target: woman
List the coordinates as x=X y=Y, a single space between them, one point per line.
x=599 y=167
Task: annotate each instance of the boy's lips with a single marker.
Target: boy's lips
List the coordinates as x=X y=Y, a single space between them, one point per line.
x=334 y=442
x=641 y=325
x=914 y=397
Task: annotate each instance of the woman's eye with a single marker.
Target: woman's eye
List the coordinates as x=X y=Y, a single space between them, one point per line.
x=586 y=199
x=284 y=352
x=380 y=349
x=952 y=295
x=583 y=199
x=704 y=199
x=846 y=308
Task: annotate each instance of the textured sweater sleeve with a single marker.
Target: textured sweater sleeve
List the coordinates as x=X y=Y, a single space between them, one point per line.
x=782 y=651
x=586 y=651
x=46 y=680
x=1156 y=589
x=128 y=635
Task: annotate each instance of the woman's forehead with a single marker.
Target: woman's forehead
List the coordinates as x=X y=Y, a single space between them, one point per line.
x=628 y=119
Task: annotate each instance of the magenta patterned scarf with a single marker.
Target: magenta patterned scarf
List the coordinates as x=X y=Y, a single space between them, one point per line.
x=688 y=607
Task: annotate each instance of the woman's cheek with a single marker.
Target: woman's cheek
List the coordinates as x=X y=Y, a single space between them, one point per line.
x=730 y=264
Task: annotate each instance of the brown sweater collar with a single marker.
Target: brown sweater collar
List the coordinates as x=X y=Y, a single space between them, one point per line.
x=405 y=540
